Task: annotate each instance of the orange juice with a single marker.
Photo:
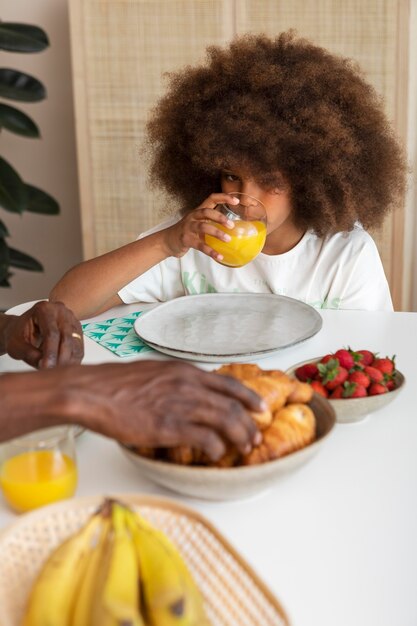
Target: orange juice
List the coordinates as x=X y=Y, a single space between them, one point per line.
x=35 y=478
x=247 y=240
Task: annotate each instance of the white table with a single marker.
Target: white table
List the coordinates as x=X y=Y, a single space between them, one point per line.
x=337 y=540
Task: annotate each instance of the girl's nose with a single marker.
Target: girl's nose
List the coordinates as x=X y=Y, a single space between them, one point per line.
x=251 y=189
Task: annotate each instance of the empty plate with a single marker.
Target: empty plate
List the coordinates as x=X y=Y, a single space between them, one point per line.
x=227 y=327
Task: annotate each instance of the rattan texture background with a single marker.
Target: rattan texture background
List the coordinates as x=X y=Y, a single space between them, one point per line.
x=233 y=593
x=123 y=48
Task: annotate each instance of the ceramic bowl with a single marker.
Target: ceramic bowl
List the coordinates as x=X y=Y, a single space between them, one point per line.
x=212 y=483
x=349 y=410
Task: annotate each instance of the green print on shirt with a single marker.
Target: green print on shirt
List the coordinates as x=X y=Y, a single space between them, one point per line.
x=334 y=303
x=196 y=283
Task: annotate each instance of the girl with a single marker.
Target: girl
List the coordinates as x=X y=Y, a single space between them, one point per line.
x=297 y=128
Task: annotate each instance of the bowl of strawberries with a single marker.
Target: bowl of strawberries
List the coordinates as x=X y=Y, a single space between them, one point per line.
x=356 y=382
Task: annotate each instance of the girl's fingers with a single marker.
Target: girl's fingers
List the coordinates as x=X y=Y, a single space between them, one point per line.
x=214 y=215
x=217 y=198
x=203 y=247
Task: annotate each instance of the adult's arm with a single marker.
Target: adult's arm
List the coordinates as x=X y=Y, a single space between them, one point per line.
x=44 y=336
x=145 y=403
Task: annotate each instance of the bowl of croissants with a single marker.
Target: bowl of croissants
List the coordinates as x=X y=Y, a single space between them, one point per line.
x=294 y=426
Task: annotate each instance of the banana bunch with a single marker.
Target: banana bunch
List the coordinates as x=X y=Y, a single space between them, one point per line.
x=118 y=570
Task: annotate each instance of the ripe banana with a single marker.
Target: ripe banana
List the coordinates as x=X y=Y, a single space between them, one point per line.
x=52 y=595
x=118 y=570
x=82 y=608
x=117 y=598
x=170 y=595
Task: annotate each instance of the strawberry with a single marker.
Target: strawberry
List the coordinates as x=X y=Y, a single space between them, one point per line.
x=358 y=392
x=345 y=358
x=390 y=384
x=335 y=377
x=319 y=388
x=307 y=372
x=327 y=358
x=376 y=389
x=337 y=393
x=374 y=374
x=360 y=378
x=366 y=357
x=386 y=366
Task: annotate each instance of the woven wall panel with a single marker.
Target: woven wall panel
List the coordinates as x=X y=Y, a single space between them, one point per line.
x=121 y=50
x=365 y=30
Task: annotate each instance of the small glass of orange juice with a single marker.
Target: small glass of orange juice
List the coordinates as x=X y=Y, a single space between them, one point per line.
x=38 y=468
x=247 y=237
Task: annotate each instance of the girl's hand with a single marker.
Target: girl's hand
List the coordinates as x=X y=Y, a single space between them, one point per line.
x=190 y=230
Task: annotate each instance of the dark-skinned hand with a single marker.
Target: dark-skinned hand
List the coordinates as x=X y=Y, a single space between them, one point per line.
x=164 y=404
x=46 y=335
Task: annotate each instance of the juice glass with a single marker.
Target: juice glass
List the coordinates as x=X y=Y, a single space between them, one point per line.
x=247 y=237
x=38 y=468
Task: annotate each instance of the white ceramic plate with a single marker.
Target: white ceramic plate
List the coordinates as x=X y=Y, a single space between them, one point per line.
x=226 y=327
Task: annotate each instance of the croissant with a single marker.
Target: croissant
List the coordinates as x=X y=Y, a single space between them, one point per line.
x=287 y=424
x=241 y=371
x=292 y=428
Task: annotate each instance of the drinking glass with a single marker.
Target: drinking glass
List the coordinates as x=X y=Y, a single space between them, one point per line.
x=38 y=468
x=249 y=234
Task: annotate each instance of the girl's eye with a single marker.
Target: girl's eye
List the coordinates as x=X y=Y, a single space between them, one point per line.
x=229 y=177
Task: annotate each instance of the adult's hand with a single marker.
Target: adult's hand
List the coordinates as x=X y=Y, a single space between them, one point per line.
x=46 y=335
x=163 y=403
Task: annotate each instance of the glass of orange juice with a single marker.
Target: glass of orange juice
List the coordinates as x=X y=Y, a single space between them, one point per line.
x=38 y=468
x=249 y=234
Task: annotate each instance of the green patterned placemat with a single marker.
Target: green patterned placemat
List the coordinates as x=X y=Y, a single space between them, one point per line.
x=117 y=334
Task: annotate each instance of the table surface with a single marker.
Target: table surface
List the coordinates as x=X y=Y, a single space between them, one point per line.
x=335 y=541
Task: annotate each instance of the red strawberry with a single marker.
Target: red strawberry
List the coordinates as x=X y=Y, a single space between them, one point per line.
x=337 y=394
x=319 y=388
x=327 y=358
x=345 y=358
x=337 y=378
x=360 y=378
x=386 y=366
x=307 y=372
x=376 y=389
x=390 y=384
x=375 y=375
x=358 y=392
x=367 y=357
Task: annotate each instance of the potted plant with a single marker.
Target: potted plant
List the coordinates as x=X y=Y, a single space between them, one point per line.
x=17 y=196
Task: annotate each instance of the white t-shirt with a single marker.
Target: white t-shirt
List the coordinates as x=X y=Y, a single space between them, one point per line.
x=341 y=271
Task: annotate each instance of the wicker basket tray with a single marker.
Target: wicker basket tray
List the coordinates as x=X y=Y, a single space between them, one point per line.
x=233 y=593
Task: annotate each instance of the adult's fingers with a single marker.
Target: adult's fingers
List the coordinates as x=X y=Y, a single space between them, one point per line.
x=61 y=335
x=71 y=349
x=32 y=356
x=228 y=418
x=234 y=388
x=46 y=322
x=204 y=439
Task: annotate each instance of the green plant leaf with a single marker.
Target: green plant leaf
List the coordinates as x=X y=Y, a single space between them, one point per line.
x=23 y=261
x=17 y=122
x=4 y=259
x=41 y=202
x=19 y=86
x=3 y=230
x=13 y=191
x=22 y=37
